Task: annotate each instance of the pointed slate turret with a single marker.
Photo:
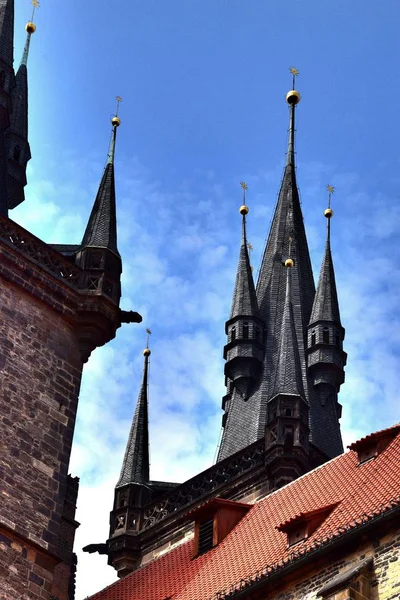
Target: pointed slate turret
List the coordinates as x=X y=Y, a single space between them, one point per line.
x=136 y=464
x=101 y=230
x=18 y=149
x=288 y=379
x=98 y=254
x=326 y=304
x=287 y=410
x=326 y=358
x=245 y=330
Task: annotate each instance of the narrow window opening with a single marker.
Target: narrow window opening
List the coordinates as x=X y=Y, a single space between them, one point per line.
x=245 y=331
x=206 y=529
x=337 y=340
x=313 y=338
x=288 y=412
x=257 y=334
x=325 y=335
x=233 y=334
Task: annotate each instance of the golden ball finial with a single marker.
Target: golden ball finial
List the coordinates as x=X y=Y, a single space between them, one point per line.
x=116 y=121
x=328 y=212
x=289 y=262
x=244 y=210
x=293 y=97
x=30 y=27
x=146 y=352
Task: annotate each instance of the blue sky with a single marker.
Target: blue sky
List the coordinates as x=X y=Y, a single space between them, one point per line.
x=203 y=86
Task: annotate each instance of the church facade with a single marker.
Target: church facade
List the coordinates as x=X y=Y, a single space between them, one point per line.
x=283 y=513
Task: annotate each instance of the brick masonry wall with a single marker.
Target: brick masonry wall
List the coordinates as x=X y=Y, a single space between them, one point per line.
x=40 y=374
x=383 y=580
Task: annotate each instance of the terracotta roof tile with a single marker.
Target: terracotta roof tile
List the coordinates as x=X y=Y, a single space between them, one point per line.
x=255 y=545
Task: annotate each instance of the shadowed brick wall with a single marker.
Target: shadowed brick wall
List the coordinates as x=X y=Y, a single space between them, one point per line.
x=40 y=374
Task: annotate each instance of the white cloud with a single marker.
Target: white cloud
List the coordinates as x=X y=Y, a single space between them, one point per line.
x=180 y=252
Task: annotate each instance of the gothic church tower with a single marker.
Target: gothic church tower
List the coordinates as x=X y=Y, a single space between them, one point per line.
x=57 y=304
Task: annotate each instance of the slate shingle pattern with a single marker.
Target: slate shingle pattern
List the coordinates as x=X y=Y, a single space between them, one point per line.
x=136 y=463
x=101 y=230
x=244 y=295
x=255 y=546
x=326 y=304
x=288 y=379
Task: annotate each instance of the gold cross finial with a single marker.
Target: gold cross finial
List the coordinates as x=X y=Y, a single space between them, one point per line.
x=331 y=191
x=244 y=188
x=118 y=99
x=294 y=73
x=35 y=4
x=148 y=331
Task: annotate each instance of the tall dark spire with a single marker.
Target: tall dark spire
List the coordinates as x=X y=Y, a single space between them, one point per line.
x=101 y=230
x=136 y=463
x=326 y=305
x=288 y=378
x=271 y=291
x=244 y=295
x=326 y=359
x=18 y=149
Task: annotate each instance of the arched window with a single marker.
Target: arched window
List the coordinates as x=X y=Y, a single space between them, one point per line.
x=17 y=153
x=325 y=335
x=313 y=338
x=233 y=334
x=245 y=331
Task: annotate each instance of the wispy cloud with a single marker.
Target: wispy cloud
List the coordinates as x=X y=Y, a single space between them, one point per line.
x=180 y=252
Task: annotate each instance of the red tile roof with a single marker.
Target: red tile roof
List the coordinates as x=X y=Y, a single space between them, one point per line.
x=255 y=546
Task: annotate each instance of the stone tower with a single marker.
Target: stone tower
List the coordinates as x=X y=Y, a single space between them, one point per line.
x=57 y=304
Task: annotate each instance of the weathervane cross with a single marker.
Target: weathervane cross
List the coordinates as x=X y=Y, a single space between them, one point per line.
x=35 y=4
x=244 y=188
x=148 y=331
x=118 y=99
x=331 y=191
x=295 y=73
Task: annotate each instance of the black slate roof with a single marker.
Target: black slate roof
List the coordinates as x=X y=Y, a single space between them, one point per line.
x=136 y=463
x=244 y=295
x=326 y=304
x=101 y=230
x=288 y=379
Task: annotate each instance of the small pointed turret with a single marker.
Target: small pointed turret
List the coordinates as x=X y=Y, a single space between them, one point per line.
x=326 y=359
x=101 y=230
x=18 y=149
x=136 y=465
x=287 y=409
x=288 y=379
x=133 y=490
x=245 y=330
x=99 y=254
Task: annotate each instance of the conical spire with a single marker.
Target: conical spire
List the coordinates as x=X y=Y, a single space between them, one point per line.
x=271 y=286
x=288 y=378
x=101 y=230
x=326 y=304
x=244 y=295
x=136 y=463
